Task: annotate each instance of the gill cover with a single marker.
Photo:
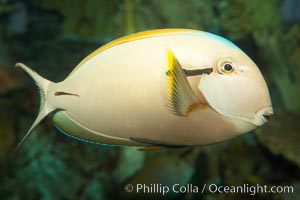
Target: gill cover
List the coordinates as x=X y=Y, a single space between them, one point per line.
x=235 y=96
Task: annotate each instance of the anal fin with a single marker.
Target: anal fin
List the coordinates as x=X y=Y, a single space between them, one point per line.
x=152 y=148
x=156 y=145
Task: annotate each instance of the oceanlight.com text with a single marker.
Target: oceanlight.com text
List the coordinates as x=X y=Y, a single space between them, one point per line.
x=157 y=188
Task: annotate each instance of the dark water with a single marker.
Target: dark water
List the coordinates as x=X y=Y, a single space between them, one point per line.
x=53 y=36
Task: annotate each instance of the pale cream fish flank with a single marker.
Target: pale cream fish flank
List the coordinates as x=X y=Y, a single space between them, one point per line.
x=165 y=88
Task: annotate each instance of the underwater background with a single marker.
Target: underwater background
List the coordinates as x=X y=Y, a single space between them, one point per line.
x=53 y=36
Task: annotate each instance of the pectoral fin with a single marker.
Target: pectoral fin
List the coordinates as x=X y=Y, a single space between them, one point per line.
x=180 y=96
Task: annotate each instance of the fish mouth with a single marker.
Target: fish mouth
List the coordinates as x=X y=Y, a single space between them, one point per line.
x=263 y=116
x=267 y=117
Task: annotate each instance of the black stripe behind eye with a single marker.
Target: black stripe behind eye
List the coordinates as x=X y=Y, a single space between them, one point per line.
x=195 y=72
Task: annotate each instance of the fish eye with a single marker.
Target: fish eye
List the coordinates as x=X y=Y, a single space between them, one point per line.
x=226 y=67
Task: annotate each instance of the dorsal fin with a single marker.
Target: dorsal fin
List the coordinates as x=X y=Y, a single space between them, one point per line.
x=180 y=95
x=132 y=37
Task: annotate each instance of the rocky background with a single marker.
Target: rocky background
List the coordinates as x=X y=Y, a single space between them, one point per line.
x=52 y=36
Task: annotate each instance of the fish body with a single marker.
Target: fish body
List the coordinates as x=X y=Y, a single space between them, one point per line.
x=162 y=88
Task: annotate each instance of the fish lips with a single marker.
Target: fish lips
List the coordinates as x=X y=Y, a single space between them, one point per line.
x=262 y=116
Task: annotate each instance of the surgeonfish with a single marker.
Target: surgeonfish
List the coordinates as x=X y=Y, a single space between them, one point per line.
x=164 y=88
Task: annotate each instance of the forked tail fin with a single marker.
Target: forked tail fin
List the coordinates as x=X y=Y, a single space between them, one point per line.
x=45 y=109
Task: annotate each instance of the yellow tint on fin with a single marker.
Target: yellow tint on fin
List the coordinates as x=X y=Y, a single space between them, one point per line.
x=133 y=37
x=181 y=98
x=152 y=148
